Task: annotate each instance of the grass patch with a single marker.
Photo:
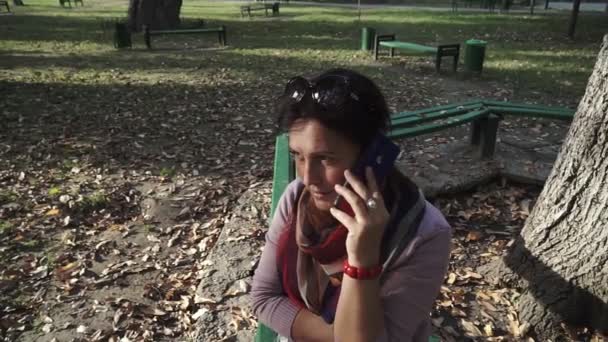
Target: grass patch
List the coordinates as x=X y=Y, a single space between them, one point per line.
x=5 y=227
x=54 y=192
x=168 y=172
x=7 y=196
x=93 y=201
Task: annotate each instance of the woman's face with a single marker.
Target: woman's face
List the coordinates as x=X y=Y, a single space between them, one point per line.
x=321 y=156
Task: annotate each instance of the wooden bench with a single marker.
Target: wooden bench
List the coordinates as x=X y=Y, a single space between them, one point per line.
x=440 y=51
x=221 y=33
x=247 y=9
x=4 y=3
x=69 y=2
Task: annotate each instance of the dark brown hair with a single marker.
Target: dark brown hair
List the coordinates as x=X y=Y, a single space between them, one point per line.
x=358 y=118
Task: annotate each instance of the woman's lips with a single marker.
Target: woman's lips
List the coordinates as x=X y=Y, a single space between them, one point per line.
x=322 y=195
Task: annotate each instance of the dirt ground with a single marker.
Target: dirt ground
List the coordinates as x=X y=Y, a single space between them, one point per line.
x=98 y=245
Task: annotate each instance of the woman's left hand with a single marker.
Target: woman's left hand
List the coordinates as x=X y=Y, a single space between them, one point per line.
x=366 y=228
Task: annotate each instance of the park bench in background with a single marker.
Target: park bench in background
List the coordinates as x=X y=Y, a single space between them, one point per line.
x=247 y=9
x=69 y=2
x=221 y=33
x=483 y=116
x=4 y=4
x=440 y=51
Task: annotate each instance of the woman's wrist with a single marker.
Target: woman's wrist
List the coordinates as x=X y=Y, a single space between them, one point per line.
x=364 y=262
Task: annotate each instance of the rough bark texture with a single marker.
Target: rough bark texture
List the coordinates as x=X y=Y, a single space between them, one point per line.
x=562 y=252
x=157 y=14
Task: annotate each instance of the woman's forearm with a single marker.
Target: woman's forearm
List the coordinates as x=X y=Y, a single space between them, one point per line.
x=359 y=316
x=309 y=327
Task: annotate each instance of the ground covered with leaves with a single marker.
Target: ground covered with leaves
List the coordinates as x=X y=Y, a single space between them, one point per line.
x=120 y=170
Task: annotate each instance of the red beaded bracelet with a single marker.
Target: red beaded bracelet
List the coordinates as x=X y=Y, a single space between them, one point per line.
x=361 y=273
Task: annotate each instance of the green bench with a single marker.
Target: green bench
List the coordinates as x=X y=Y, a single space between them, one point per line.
x=483 y=116
x=69 y=2
x=221 y=33
x=389 y=41
x=247 y=9
x=4 y=3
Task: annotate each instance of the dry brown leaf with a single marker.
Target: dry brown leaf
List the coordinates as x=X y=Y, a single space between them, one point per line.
x=451 y=278
x=488 y=329
x=53 y=212
x=458 y=312
x=474 y=235
x=199 y=313
x=470 y=328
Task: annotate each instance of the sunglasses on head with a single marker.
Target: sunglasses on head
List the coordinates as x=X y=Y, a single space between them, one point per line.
x=329 y=91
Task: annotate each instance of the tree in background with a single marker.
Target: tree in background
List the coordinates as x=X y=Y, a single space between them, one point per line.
x=575 y=9
x=157 y=14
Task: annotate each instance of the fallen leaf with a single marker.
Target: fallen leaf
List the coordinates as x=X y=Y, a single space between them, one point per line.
x=199 y=313
x=451 y=278
x=52 y=212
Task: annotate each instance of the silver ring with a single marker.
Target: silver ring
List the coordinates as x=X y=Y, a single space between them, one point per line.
x=371 y=203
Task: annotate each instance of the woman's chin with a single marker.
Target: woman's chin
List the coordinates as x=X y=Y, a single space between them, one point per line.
x=323 y=204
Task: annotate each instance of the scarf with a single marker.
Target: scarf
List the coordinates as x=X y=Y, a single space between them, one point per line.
x=310 y=258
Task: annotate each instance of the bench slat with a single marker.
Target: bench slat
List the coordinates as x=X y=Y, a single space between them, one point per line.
x=283 y=170
x=529 y=112
x=426 y=117
x=423 y=49
x=505 y=104
x=205 y=30
x=435 y=109
x=451 y=122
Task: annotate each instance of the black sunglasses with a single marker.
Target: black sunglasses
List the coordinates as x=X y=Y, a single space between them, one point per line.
x=329 y=91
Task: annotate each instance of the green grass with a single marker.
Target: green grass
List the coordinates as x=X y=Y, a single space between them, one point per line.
x=7 y=196
x=5 y=227
x=44 y=43
x=54 y=191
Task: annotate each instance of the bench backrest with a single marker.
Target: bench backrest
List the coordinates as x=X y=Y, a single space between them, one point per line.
x=414 y=123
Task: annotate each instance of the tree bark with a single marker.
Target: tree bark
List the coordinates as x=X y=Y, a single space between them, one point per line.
x=532 y=5
x=561 y=254
x=573 y=16
x=157 y=14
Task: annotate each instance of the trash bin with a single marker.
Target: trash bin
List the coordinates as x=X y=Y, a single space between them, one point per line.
x=475 y=51
x=367 y=38
x=122 y=36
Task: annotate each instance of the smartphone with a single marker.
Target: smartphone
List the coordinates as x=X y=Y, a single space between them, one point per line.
x=380 y=155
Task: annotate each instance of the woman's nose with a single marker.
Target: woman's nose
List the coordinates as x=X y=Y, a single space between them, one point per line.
x=309 y=173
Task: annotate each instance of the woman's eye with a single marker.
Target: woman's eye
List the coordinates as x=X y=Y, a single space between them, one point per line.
x=327 y=160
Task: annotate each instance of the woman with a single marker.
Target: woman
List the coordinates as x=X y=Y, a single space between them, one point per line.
x=325 y=275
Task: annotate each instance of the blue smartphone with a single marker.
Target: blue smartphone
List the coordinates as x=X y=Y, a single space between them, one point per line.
x=381 y=155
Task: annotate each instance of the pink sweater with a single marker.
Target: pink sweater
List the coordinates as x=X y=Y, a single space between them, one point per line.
x=407 y=292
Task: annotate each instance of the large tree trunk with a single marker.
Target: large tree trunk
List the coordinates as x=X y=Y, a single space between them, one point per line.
x=561 y=255
x=157 y=14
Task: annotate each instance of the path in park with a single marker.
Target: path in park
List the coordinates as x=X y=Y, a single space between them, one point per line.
x=554 y=7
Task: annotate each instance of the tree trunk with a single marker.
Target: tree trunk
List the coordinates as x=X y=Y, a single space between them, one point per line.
x=532 y=4
x=561 y=255
x=575 y=9
x=157 y=14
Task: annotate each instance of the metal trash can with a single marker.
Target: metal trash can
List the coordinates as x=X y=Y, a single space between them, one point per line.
x=475 y=51
x=122 y=36
x=367 y=38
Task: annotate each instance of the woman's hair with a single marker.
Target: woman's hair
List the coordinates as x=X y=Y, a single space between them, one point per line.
x=359 y=115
